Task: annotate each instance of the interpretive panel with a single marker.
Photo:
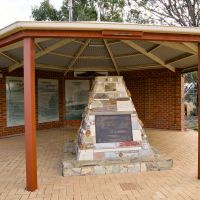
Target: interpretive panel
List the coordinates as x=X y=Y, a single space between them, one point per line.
x=113 y=128
x=14 y=101
x=76 y=98
x=48 y=101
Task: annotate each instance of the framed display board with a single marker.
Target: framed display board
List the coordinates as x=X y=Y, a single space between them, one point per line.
x=76 y=98
x=14 y=101
x=48 y=100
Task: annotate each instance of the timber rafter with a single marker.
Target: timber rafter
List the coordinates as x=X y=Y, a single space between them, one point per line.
x=43 y=52
x=148 y=54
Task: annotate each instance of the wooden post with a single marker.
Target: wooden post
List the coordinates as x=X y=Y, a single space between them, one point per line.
x=198 y=111
x=29 y=114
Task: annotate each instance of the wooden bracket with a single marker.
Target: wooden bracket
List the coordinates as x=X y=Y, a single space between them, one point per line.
x=123 y=33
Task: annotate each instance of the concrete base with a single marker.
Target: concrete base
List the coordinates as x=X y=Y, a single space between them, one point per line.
x=144 y=162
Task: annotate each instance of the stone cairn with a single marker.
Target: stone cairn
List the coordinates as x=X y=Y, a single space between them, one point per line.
x=111 y=138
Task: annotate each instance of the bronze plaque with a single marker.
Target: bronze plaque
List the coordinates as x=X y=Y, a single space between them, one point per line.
x=113 y=128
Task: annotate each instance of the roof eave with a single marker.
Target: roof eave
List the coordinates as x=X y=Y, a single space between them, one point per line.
x=94 y=26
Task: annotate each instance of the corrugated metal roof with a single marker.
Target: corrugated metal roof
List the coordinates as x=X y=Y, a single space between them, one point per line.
x=166 y=53
x=121 y=49
x=4 y=62
x=95 y=51
x=68 y=49
x=188 y=62
x=15 y=53
x=146 y=45
x=53 y=60
x=134 y=61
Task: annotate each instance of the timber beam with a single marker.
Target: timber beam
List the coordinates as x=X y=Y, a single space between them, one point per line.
x=149 y=54
x=112 y=56
x=97 y=34
x=79 y=52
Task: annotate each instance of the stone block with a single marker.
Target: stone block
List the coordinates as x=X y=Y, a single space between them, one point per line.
x=67 y=172
x=85 y=154
x=137 y=167
x=72 y=167
x=131 y=168
x=134 y=168
x=115 y=169
x=108 y=169
x=72 y=172
x=99 y=155
x=143 y=167
x=165 y=164
x=123 y=168
x=76 y=171
x=86 y=171
x=67 y=165
x=152 y=166
x=98 y=170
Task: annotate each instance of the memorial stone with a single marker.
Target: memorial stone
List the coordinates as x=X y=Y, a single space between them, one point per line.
x=110 y=128
x=111 y=138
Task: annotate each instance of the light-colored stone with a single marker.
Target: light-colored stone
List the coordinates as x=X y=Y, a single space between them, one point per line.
x=76 y=171
x=99 y=170
x=86 y=154
x=108 y=169
x=152 y=166
x=67 y=172
x=94 y=167
x=123 y=168
x=86 y=171
x=165 y=164
x=115 y=169
x=110 y=105
x=134 y=168
x=67 y=165
x=137 y=166
x=72 y=172
x=143 y=167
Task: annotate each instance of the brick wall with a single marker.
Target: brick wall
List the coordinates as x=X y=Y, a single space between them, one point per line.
x=157 y=95
x=4 y=130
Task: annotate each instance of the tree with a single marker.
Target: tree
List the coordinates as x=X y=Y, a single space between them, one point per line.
x=83 y=10
x=171 y=12
x=46 y=12
x=191 y=79
x=110 y=10
x=191 y=88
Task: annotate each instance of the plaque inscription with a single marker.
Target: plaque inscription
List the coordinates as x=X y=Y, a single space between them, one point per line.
x=113 y=128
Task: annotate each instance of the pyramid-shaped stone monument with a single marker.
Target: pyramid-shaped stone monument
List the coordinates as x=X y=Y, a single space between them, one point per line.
x=110 y=128
x=111 y=137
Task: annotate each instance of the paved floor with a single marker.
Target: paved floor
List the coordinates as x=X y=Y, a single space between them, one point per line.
x=178 y=183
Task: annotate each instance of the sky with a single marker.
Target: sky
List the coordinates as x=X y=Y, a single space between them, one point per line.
x=19 y=10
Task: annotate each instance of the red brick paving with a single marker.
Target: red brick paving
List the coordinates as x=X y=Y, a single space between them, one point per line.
x=179 y=183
